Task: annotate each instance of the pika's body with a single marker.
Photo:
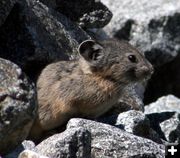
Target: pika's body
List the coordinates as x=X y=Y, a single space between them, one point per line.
x=89 y=86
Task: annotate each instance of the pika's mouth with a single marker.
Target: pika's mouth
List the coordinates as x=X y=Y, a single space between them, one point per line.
x=144 y=73
x=140 y=74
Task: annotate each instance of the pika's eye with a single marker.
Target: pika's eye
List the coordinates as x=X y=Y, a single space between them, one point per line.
x=132 y=58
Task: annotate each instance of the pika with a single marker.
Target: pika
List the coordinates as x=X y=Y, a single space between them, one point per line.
x=90 y=86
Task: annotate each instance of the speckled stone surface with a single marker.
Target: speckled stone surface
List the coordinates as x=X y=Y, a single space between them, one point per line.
x=93 y=139
x=86 y=13
x=34 y=35
x=17 y=105
x=164 y=115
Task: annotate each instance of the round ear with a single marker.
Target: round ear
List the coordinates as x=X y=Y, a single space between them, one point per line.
x=90 y=50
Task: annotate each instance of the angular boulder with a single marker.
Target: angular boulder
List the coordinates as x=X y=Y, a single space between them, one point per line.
x=86 y=13
x=71 y=143
x=164 y=115
x=34 y=35
x=107 y=141
x=86 y=138
x=134 y=122
x=17 y=106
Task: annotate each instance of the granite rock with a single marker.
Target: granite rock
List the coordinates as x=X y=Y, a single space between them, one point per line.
x=164 y=115
x=34 y=35
x=71 y=143
x=86 y=138
x=171 y=128
x=86 y=13
x=134 y=122
x=30 y=154
x=17 y=106
x=107 y=141
x=167 y=103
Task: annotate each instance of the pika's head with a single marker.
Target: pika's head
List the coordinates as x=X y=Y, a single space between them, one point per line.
x=116 y=60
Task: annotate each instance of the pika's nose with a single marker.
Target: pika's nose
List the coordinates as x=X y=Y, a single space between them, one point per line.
x=147 y=70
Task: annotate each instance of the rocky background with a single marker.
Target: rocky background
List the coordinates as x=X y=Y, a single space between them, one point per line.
x=35 y=33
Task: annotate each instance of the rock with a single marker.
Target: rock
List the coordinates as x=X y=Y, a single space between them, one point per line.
x=30 y=154
x=34 y=35
x=25 y=145
x=5 y=8
x=167 y=103
x=164 y=115
x=86 y=138
x=134 y=122
x=109 y=141
x=153 y=27
x=137 y=123
x=87 y=13
x=167 y=125
x=171 y=128
x=17 y=106
x=71 y=143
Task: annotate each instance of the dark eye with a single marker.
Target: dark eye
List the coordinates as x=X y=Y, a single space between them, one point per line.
x=132 y=58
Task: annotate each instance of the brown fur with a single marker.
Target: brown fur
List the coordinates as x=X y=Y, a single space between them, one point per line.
x=87 y=87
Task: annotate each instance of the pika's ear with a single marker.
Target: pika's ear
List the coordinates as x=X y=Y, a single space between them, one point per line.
x=90 y=50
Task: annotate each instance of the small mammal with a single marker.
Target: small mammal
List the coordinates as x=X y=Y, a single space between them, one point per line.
x=90 y=86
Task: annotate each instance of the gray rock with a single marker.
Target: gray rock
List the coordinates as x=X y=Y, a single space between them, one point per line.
x=17 y=106
x=5 y=8
x=164 y=115
x=134 y=122
x=153 y=26
x=108 y=141
x=35 y=35
x=30 y=154
x=164 y=104
x=25 y=145
x=85 y=138
x=171 y=128
x=71 y=143
x=87 y=13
